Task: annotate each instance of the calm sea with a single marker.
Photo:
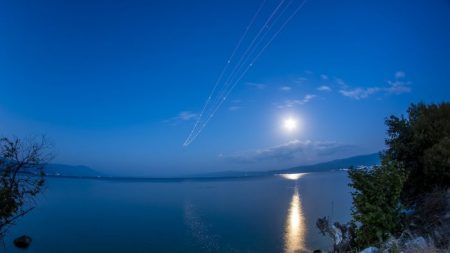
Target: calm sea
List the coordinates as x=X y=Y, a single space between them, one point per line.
x=269 y=214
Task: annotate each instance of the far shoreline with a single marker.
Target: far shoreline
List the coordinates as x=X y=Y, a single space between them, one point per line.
x=185 y=178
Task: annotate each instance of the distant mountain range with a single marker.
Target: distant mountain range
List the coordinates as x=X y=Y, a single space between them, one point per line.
x=355 y=161
x=70 y=171
x=62 y=170
x=361 y=160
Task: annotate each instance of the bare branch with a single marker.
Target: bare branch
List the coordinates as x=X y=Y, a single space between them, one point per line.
x=21 y=177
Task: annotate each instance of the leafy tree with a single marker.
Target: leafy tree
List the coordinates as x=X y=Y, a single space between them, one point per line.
x=21 y=178
x=376 y=205
x=415 y=173
x=421 y=144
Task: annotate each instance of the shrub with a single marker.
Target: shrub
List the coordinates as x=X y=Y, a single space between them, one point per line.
x=376 y=202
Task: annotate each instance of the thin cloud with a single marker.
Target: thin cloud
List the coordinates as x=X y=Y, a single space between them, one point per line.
x=395 y=87
x=259 y=86
x=300 y=80
x=235 y=105
x=341 y=83
x=294 y=102
x=185 y=116
x=399 y=74
x=324 y=88
x=182 y=116
x=234 y=108
x=398 y=85
x=324 y=77
x=290 y=151
x=360 y=93
x=285 y=88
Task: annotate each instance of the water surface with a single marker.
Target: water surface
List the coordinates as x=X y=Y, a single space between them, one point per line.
x=268 y=214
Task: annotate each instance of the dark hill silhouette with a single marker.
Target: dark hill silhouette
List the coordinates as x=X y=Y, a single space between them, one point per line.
x=345 y=163
x=70 y=170
x=361 y=160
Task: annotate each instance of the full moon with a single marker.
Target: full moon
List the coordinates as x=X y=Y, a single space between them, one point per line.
x=290 y=124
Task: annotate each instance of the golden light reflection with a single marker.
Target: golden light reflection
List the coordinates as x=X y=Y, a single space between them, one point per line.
x=294 y=237
x=293 y=176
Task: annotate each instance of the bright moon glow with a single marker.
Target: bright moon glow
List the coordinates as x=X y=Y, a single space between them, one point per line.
x=290 y=124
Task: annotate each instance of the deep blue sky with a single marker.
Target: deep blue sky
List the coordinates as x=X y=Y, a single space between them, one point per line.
x=117 y=85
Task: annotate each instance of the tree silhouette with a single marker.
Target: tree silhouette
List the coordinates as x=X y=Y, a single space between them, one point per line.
x=21 y=177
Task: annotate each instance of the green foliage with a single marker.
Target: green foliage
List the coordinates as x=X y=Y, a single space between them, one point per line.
x=376 y=208
x=421 y=143
x=416 y=162
x=415 y=173
x=21 y=178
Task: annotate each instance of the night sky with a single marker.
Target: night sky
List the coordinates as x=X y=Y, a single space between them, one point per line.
x=118 y=85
